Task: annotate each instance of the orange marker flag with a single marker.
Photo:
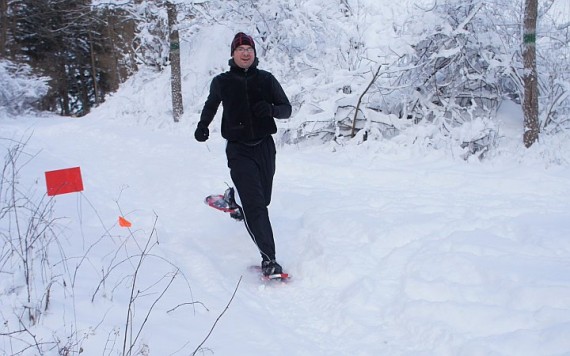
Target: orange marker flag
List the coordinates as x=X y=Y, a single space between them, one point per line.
x=124 y=222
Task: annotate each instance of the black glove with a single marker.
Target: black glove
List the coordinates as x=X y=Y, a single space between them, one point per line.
x=202 y=133
x=262 y=109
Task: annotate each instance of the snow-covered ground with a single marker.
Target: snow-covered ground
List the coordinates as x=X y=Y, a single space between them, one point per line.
x=395 y=253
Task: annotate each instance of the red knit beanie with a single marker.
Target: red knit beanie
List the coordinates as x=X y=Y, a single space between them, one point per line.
x=241 y=39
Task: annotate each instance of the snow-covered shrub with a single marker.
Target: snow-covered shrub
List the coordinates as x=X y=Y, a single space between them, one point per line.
x=465 y=59
x=20 y=89
x=553 y=62
x=455 y=71
x=151 y=43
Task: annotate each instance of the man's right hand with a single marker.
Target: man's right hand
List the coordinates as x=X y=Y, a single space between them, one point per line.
x=202 y=133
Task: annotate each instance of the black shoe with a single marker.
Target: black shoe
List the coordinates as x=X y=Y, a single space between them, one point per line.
x=237 y=214
x=270 y=267
x=229 y=197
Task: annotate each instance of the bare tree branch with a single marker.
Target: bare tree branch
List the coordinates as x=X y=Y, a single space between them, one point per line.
x=218 y=319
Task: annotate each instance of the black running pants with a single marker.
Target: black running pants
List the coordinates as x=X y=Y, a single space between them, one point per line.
x=252 y=168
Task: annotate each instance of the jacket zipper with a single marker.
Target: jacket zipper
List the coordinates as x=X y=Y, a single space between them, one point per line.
x=247 y=100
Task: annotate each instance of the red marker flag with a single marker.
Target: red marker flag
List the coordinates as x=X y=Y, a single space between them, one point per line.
x=64 y=181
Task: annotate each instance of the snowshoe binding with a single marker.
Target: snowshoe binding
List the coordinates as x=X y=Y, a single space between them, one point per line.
x=229 y=197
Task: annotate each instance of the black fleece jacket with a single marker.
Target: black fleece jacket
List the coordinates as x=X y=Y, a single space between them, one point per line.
x=238 y=90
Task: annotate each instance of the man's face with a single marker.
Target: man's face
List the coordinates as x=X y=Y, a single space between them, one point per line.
x=243 y=56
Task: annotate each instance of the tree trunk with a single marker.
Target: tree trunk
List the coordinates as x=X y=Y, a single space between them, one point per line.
x=110 y=57
x=94 y=70
x=3 y=26
x=84 y=93
x=530 y=77
x=175 y=76
x=63 y=88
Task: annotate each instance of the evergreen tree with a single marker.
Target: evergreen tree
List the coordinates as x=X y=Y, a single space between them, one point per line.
x=73 y=44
